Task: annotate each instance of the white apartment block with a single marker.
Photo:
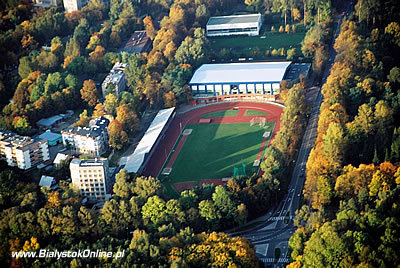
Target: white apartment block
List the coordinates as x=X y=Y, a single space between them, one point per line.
x=117 y=78
x=22 y=151
x=92 y=140
x=74 y=5
x=92 y=178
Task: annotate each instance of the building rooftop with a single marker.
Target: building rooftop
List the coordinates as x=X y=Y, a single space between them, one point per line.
x=116 y=74
x=48 y=122
x=234 y=19
x=135 y=160
x=138 y=43
x=46 y=181
x=89 y=162
x=50 y=136
x=11 y=139
x=95 y=129
x=244 y=72
x=60 y=157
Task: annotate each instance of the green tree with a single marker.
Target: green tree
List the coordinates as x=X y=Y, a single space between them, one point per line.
x=155 y=210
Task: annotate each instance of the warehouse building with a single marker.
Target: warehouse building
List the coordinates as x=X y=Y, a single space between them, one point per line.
x=262 y=78
x=234 y=25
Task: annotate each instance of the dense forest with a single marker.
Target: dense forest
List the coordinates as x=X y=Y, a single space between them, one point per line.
x=351 y=211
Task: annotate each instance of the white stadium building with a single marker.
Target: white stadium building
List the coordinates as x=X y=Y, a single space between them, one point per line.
x=238 y=78
x=234 y=25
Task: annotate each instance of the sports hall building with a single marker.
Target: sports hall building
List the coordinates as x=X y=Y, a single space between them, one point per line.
x=225 y=80
x=234 y=25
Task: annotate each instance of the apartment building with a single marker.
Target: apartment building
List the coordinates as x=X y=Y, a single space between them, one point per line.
x=74 y=5
x=91 y=140
x=92 y=178
x=22 y=151
x=115 y=82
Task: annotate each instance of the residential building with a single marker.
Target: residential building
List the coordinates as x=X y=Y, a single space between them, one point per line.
x=91 y=140
x=115 y=82
x=234 y=25
x=138 y=43
x=45 y=3
x=22 y=151
x=92 y=178
x=74 y=5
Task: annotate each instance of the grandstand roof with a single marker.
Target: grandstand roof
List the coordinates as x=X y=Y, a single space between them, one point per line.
x=243 y=72
x=135 y=160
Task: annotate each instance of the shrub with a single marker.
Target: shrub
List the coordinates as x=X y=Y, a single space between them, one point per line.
x=274 y=52
x=291 y=54
x=272 y=29
x=267 y=53
x=281 y=29
x=287 y=28
x=282 y=51
x=293 y=28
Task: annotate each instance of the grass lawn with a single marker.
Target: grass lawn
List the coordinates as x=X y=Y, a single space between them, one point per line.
x=222 y=113
x=254 y=113
x=270 y=41
x=213 y=150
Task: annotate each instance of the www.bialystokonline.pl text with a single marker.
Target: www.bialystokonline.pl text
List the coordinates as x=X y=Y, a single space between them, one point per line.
x=86 y=253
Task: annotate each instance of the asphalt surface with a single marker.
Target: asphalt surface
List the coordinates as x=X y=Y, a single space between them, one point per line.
x=278 y=225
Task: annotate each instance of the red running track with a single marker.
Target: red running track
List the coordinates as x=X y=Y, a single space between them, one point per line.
x=176 y=152
x=167 y=142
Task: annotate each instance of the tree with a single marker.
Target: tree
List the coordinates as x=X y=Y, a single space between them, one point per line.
x=110 y=103
x=169 y=99
x=122 y=187
x=117 y=136
x=394 y=75
x=393 y=30
x=223 y=202
x=209 y=211
x=155 y=210
x=281 y=6
x=334 y=145
x=253 y=5
x=89 y=92
x=193 y=51
x=149 y=27
x=126 y=115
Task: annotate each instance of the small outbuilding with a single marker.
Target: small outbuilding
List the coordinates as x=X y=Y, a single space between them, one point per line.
x=47 y=181
x=52 y=138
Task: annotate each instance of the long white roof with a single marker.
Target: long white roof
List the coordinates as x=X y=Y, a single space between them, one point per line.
x=135 y=160
x=243 y=72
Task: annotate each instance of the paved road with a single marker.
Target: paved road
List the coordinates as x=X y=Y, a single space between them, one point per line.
x=278 y=227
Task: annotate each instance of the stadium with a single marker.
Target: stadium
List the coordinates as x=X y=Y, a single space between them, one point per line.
x=222 y=136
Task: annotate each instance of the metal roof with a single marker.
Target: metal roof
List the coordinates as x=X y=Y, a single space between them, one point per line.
x=243 y=72
x=135 y=160
x=50 y=136
x=234 y=19
x=46 y=181
x=47 y=122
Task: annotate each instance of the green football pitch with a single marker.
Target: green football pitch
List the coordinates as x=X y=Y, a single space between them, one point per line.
x=212 y=151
